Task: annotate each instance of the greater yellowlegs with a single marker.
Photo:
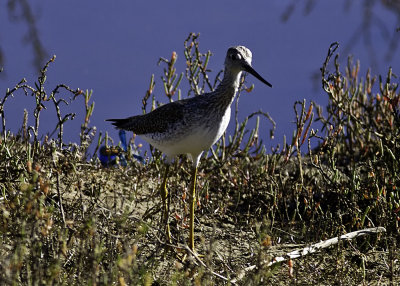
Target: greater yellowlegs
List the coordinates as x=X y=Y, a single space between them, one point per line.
x=191 y=126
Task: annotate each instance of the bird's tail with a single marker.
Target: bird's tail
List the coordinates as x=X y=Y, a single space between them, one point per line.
x=120 y=123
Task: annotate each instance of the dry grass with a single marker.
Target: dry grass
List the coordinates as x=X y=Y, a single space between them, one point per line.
x=67 y=220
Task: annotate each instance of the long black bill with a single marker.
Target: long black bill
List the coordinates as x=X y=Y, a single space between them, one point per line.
x=250 y=70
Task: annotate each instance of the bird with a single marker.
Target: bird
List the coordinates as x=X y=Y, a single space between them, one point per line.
x=192 y=125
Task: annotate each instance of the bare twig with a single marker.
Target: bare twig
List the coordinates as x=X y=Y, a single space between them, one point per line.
x=197 y=258
x=311 y=249
x=324 y=244
x=332 y=49
x=203 y=264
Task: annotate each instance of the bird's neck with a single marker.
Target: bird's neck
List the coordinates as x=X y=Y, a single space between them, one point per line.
x=228 y=87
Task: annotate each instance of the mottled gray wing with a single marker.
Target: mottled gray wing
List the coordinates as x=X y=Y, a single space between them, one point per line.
x=156 y=121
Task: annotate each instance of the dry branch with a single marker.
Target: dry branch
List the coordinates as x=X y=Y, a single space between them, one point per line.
x=313 y=248
x=324 y=244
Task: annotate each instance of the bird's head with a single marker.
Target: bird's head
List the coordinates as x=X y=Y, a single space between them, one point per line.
x=238 y=59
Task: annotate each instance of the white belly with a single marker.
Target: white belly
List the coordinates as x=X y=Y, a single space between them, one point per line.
x=195 y=141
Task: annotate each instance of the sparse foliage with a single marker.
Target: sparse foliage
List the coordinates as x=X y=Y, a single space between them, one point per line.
x=66 y=220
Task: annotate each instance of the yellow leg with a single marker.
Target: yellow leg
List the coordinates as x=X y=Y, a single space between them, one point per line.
x=166 y=203
x=192 y=206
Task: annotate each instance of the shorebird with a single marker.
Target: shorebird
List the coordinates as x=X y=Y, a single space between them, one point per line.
x=191 y=126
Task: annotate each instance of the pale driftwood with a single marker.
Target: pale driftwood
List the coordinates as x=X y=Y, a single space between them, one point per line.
x=324 y=244
x=312 y=248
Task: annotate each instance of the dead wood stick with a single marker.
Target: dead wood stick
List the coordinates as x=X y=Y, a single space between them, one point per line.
x=324 y=244
x=312 y=248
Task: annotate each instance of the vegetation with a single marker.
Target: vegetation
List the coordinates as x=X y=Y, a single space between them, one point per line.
x=64 y=219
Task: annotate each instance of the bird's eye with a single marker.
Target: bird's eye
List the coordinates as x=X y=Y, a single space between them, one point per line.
x=236 y=57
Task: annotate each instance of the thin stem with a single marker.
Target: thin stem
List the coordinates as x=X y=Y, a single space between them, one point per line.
x=166 y=203
x=192 y=205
